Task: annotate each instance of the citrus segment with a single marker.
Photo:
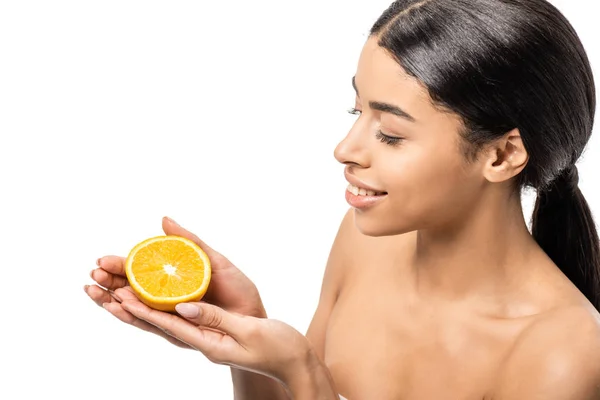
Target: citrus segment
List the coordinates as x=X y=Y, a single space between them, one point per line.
x=166 y=270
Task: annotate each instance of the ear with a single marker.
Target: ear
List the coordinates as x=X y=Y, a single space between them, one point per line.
x=505 y=158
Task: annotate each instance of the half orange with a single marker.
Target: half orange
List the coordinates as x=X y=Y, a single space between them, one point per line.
x=166 y=270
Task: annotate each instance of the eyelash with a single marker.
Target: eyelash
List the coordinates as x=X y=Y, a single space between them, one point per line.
x=382 y=137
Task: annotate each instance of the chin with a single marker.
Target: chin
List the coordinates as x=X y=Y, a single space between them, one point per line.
x=371 y=225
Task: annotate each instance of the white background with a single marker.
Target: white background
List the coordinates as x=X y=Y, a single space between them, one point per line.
x=222 y=115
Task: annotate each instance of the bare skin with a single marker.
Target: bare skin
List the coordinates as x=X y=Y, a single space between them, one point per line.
x=437 y=291
x=230 y=290
x=383 y=337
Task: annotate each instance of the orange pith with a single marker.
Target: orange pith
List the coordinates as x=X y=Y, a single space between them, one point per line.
x=166 y=270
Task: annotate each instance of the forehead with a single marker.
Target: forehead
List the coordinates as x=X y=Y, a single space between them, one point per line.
x=379 y=77
x=380 y=73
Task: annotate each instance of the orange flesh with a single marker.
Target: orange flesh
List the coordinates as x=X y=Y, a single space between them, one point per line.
x=152 y=264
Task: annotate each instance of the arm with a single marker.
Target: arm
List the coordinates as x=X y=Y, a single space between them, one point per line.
x=315 y=377
x=313 y=382
x=332 y=284
x=250 y=386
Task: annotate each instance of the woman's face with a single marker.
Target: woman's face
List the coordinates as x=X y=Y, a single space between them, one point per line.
x=404 y=146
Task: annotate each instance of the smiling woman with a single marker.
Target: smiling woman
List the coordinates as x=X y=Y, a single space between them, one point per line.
x=434 y=288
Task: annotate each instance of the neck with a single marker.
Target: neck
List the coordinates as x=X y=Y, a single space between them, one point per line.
x=485 y=255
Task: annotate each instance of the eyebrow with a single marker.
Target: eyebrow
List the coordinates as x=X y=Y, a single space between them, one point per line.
x=385 y=107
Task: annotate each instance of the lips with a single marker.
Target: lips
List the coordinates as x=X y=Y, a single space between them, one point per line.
x=359 y=191
x=358 y=187
x=364 y=202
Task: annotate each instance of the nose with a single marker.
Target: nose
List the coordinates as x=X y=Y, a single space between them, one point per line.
x=352 y=150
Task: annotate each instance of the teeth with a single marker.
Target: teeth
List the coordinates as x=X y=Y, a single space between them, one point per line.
x=355 y=190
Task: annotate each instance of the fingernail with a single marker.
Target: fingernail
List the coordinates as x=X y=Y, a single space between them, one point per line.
x=187 y=310
x=85 y=288
x=92 y=273
x=98 y=261
x=105 y=305
x=173 y=221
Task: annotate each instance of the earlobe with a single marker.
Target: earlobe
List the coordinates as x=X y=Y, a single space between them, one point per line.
x=507 y=157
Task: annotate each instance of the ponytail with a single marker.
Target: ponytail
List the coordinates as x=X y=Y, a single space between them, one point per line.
x=563 y=226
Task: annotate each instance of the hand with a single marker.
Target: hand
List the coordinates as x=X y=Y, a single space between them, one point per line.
x=229 y=288
x=265 y=346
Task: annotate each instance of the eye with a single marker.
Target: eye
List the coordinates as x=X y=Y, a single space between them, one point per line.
x=354 y=111
x=389 y=140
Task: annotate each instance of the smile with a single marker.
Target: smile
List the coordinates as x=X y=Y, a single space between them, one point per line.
x=357 y=191
x=361 y=198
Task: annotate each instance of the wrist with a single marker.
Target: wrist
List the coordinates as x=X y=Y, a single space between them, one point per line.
x=258 y=310
x=261 y=312
x=311 y=380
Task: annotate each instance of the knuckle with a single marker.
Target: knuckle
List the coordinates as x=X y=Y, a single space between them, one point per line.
x=168 y=331
x=170 y=327
x=214 y=319
x=194 y=238
x=99 y=301
x=253 y=332
x=219 y=259
x=101 y=297
x=133 y=321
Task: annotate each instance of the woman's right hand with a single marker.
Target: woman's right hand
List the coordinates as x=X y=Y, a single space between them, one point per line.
x=229 y=288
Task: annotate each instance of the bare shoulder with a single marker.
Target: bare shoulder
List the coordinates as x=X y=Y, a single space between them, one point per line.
x=333 y=279
x=556 y=358
x=350 y=252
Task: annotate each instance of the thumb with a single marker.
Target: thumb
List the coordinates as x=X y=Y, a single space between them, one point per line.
x=210 y=316
x=171 y=227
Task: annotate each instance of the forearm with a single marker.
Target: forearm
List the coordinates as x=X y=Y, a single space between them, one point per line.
x=251 y=386
x=313 y=382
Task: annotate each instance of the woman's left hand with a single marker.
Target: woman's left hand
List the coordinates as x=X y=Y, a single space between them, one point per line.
x=260 y=345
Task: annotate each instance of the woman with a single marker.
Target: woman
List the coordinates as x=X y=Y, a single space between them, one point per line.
x=435 y=288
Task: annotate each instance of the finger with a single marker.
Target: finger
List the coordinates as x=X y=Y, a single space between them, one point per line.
x=113 y=264
x=99 y=295
x=215 y=345
x=108 y=280
x=126 y=293
x=210 y=316
x=122 y=315
x=171 y=227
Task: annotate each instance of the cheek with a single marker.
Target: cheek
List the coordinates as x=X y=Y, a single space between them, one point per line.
x=423 y=190
x=423 y=172
x=427 y=183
